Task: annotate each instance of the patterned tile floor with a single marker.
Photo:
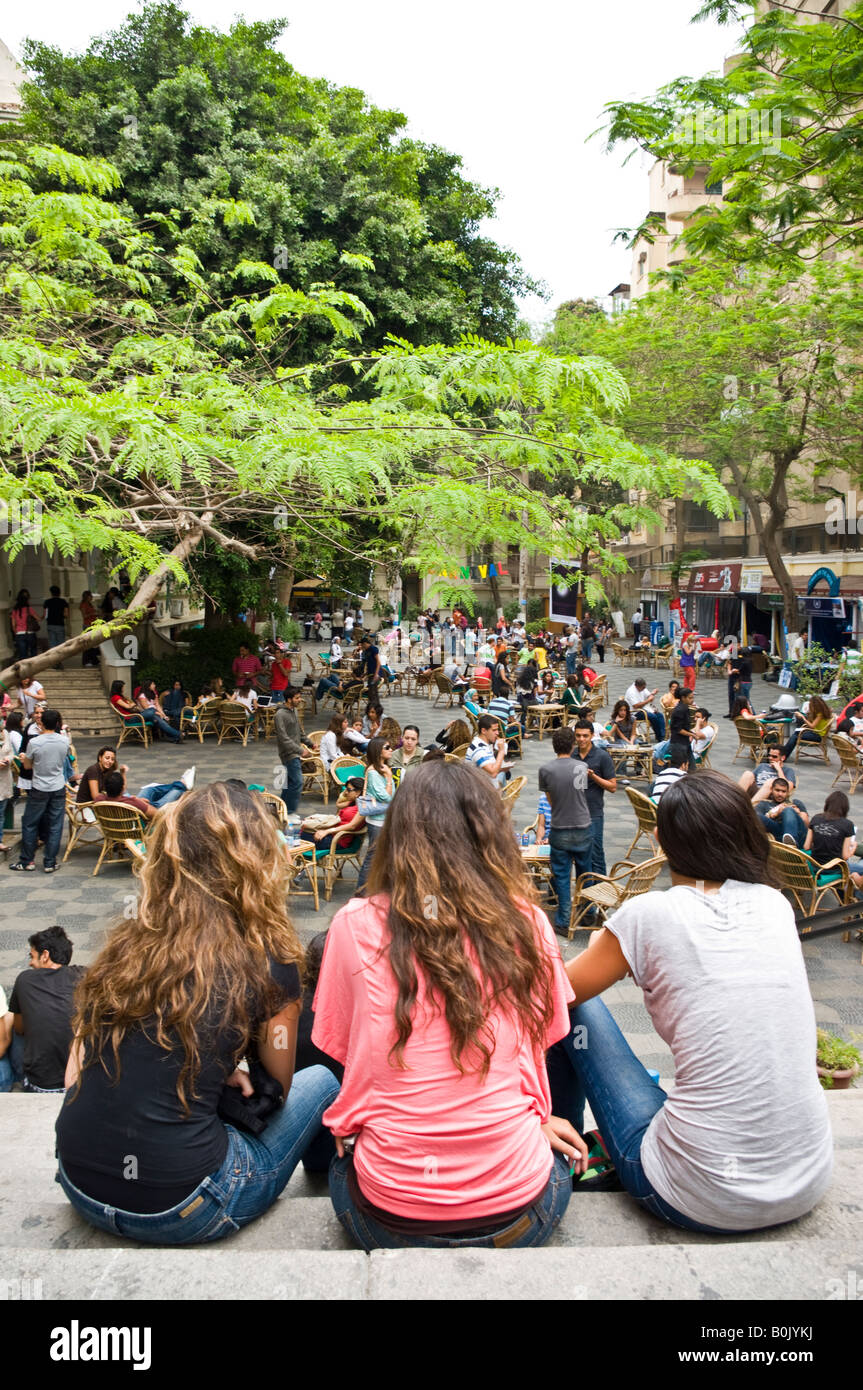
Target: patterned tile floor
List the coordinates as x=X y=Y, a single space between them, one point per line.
x=86 y=906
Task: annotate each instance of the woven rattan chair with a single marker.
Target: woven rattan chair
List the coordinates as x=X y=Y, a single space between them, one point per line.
x=754 y=739
x=513 y=736
x=207 y=718
x=645 y=814
x=335 y=859
x=849 y=760
x=234 y=722
x=352 y=696
x=118 y=823
x=278 y=805
x=343 y=768
x=810 y=747
x=134 y=726
x=315 y=775
x=81 y=825
x=807 y=882
x=306 y=863
x=607 y=892
x=512 y=791
x=444 y=687
x=600 y=688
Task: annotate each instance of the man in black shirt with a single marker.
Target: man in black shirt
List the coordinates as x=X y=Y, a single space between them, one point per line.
x=680 y=723
x=601 y=778
x=55 y=613
x=42 y=1006
x=739 y=680
x=370 y=666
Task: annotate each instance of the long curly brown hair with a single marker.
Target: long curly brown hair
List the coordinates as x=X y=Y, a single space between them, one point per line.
x=459 y=912
x=211 y=911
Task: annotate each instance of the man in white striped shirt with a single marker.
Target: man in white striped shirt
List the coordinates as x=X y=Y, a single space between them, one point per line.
x=671 y=774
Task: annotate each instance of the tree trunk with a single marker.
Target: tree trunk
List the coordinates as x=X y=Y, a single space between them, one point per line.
x=133 y=613
x=770 y=530
x=213 y=617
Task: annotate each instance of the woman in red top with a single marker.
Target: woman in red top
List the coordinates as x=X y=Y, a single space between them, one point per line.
x=23 y=619
x=440 y=993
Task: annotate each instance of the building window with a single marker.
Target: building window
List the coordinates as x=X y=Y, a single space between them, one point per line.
x=512 y=559
x=714 y=187
x=698 y=517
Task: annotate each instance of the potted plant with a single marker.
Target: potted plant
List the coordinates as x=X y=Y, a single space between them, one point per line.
x=838 y=1062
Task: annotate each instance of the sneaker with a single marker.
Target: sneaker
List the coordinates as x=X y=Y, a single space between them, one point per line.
x=50 y=868
x=623 y=781
x=789 y=840
x=23 y=868
x=188 y=778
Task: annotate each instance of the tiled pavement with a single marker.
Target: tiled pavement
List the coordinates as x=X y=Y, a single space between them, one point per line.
x=86 y=906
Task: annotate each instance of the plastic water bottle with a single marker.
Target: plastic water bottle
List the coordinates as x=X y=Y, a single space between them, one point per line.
x=293 y=828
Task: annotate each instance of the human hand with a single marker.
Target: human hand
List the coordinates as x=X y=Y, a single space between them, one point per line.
x=242 y=1081
x=567 y=1141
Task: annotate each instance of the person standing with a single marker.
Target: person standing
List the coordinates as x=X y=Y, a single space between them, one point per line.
x=637 y=620
x=739 y=680
x=89 y=616
x=564 y=781
x=6 y=783
x=45 y=758
x=680 y=724
x=571 y=650
x=798 y=646
x=25 y=625
x=280 y=678
x=687 y=661
x=370 y=666
x=246 y=665
x=348 y=626
x=601 y=778
x=380 y=787
x=289 y=741
x=55 y=613
x=601 y=638
x=588 y=636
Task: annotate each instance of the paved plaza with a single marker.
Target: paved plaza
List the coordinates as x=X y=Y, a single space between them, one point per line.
x=86 y=906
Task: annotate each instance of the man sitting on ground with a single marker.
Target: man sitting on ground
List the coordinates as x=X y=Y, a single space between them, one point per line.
x=42 y=1007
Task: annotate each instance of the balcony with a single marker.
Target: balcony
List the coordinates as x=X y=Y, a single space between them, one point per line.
x=681 y=206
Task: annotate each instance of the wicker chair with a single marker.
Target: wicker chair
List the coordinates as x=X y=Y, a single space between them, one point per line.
x=807 y=882
x=277 y=805
x=813 y=748
x=207 y=718
x=80 y=823
x=849 y=760
x=645 y=814
x=335 y=860
x=444 y=687
x=306 y=863
x=512 y=791
x=315 y=775
x=234 y=722
x=600 y=688
x=617 y=652
x=118 y=823
x=754 y=739
x=513 y=738
x=134 y=726
x=343 y=768
x=605 y=893
x=352 y=696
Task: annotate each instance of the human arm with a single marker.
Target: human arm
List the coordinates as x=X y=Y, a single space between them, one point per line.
x=608 y=784
x=277 y=1048
x=597 y=968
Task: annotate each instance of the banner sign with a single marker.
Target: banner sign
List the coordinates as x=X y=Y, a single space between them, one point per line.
x=714 y=579
x=824 y=607
x=563 y=591
x=750 y=580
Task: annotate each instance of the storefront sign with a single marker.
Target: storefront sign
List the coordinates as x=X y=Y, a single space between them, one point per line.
x=824 y=607
x=750 y=580
x=714 y=579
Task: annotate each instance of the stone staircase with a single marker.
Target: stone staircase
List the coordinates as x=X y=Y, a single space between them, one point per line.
x=80 y=697
x=605 y=1248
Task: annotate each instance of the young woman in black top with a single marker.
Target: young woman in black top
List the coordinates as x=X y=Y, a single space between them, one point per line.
x=832 y=836
x=205 y=974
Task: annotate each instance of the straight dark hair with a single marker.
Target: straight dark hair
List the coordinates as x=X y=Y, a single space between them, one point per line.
x=707 y=827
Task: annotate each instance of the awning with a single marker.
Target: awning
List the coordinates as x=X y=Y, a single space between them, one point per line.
x=309 y=584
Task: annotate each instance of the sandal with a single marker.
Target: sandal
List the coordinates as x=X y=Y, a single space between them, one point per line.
x=23 y=868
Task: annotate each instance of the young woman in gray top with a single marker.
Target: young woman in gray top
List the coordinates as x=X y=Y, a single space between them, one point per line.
x=743 y=1139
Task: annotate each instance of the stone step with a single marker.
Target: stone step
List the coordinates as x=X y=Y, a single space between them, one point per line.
x=784 y=1270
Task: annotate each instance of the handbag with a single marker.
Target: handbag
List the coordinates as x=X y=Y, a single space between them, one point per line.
x=251 y=1113
x=33 y=624
x=368 y=806
x=321 y=822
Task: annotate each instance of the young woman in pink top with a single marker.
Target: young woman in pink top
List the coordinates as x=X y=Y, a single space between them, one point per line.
x=440 y=993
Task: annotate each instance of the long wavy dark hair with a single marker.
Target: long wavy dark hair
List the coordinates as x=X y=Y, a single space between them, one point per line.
x=460 y=912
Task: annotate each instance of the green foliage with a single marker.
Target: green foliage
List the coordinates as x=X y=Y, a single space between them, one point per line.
x=817 y=672
x=512 y=610
x=217 y=137
x=796 y=190
x=533 y=629
x=289 y=630
x=535 y=608
x=209 y=652
x=834 y=1054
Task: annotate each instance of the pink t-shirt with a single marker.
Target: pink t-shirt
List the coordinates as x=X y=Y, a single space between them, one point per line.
x=432 y=1144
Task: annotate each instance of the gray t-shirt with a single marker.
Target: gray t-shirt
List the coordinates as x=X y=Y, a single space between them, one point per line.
x=744 y=1139
x=564 y=782
x=48 y=754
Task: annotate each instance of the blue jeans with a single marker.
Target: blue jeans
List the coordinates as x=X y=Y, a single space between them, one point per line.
x=532 y=1229
x=595 y=1063
x=657 y=724
x=12 y=1065
x=372 y=833
x=161 y=793
x=325 y=684
x=586 y=648
x=156 y=721
x=4 y=802
x=660 y=751
x=571 y=661
x=786 y=823
x=568 y=847
x=293 y=788
x=252 y=1176
x=597 y=859
x=52 y=805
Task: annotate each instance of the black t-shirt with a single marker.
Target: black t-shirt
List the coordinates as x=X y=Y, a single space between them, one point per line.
x=598 y=761
x=370 y=661
x=55 y=611
x=44 y=999
x=744 y=669
x=828 y=836
x=94 y=773
x=680 y=719
x=106 y=1122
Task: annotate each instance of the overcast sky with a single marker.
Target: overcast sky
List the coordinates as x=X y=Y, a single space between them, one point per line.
x=514 y=88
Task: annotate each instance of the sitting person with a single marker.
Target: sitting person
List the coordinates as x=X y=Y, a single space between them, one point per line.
x=153 y=714
x=372 y=721
x=508 y=716
x=833 y=836
x=409 y=754
x=716 y=955
x=742 y=709
x=347 y=813
x=150 y=798
x=621 y=727
x=353 y=740
x=464 y=1085
x=488 y=750
x=575 y=696
x=329 y=748
x=543 y=819
x=246 y=695
x=176 y=702
x=42 y=1006
x=782 y=817
x=774 y=766
x=92 y=783
x=677 y=767
x=453 y=735
x=126 y=708
x=703 y=734
x=205 y=973
x=812 y=726
x=669 y=699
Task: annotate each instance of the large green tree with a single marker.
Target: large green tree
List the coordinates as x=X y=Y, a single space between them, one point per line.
x=198 y=121
x=782 y=131
x=139 y=438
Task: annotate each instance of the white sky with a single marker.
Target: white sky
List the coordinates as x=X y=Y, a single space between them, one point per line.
x=514 y=88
